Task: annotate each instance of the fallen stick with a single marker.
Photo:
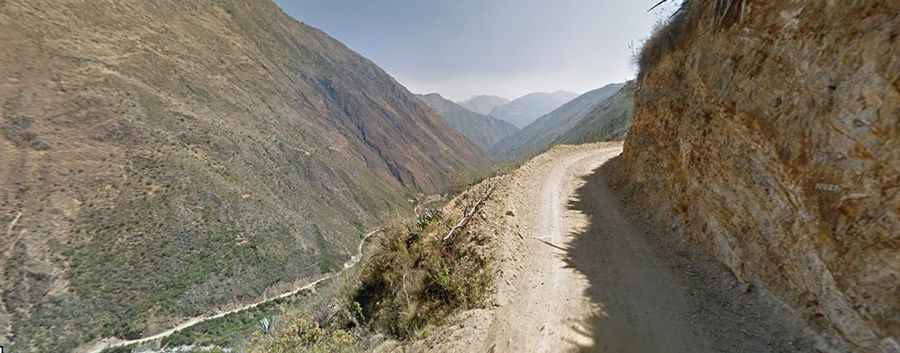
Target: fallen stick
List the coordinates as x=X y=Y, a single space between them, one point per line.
x=471 y=211
x=12 y=224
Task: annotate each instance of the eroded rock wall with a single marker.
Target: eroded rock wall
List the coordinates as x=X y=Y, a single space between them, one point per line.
x=770 y=132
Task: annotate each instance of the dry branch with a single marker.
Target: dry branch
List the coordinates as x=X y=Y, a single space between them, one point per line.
x=470 y=212
x=657 y=5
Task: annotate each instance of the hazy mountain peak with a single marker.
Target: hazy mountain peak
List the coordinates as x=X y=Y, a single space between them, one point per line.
x=545 y=130
x=483 y=130
x=524 y=110
x=483 y=104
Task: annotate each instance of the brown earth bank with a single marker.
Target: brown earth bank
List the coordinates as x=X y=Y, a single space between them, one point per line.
x=766 y=134
x=580 y=270
x=160 y=159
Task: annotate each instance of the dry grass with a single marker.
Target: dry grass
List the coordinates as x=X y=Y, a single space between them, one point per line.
x=298 y=334
x=417 y=279
x=674 y=31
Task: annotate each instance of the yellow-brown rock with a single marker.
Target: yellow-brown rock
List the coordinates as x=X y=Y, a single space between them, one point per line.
x=770 y=130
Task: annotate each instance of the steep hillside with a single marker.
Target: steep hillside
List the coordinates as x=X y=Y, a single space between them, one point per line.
x=538 y=135
x=161 y=158
x=526 y=109
x=482 y=130
x=609 y=120
x=769 y=131
x=483 y=105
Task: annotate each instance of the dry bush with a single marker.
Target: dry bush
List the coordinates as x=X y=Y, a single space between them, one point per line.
x=673 y=32
x=417 y=279
x=297 y=334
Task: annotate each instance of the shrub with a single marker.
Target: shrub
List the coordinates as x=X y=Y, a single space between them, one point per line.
x=300 y=335
x=667 y=35
x=417 y=279
x=673 y=32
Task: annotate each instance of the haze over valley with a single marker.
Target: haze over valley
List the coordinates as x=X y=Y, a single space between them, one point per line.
x=308 y=176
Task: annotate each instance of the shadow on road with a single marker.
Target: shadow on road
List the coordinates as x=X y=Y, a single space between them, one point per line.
x=658 y=296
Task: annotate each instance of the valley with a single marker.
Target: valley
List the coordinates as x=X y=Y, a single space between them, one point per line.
x=222 y=176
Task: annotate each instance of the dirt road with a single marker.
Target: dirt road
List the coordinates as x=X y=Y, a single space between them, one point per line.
x=551 y=310
x=108 y=343
x=584 y=276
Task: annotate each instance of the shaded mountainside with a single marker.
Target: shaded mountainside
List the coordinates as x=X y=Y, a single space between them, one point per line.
x=537 y=136
x=608 y=121
x=484 y=131
x=484 y=104
x=163 y=158
x=768 y=130
x=526 y=109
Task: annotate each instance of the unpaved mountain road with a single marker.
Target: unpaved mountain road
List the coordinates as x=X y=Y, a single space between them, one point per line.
x=108 y=343
x=585 y=276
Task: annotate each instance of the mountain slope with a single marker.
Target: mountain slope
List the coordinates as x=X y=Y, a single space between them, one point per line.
x=484 y=131
x=609 y=120
x=484 y=104
x=541 y=133
x=524 y=110
x=163 y=158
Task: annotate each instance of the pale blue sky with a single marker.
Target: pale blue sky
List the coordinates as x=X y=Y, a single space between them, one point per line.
x=461 y=48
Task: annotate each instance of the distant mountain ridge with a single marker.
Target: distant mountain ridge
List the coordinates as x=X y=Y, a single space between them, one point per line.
x=483 y=130
x=483 y=104
x=526 y=109
x=540 y=134
x=609 y=120
x=166 y=157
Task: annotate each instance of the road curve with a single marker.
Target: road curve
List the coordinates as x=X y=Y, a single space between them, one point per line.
x=107 y=343
x=590 y=277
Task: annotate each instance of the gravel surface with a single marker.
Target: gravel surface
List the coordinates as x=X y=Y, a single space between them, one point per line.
x=581 y=272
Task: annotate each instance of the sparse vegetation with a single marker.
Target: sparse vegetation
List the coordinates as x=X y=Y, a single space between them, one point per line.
x=667 y=35
x=301 y=335
x=672 y=32
x=173 y=194
x=417 y=279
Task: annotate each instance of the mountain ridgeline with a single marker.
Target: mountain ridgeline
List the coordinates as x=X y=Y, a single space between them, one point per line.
x=484 y=131
x=526 y=109
x=609 y=120
x=562 y=122
x=484 y=104
x=162 y=158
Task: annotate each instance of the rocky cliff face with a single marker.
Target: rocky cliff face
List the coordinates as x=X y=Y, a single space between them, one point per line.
x=161 y=158
x=771 y=132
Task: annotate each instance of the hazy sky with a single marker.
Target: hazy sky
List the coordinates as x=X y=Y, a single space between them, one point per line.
x=461 y=48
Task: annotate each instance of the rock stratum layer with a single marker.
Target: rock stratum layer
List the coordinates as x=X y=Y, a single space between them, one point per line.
x=770 y=131
x=162 y=158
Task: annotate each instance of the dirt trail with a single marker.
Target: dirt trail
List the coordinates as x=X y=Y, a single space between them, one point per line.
x=112 y=342
x=584 y=276
x=549 y=311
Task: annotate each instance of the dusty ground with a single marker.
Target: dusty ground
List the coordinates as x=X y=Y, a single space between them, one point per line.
x=579 y=272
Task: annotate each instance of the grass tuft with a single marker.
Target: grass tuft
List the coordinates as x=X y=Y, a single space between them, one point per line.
x=673 y=32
